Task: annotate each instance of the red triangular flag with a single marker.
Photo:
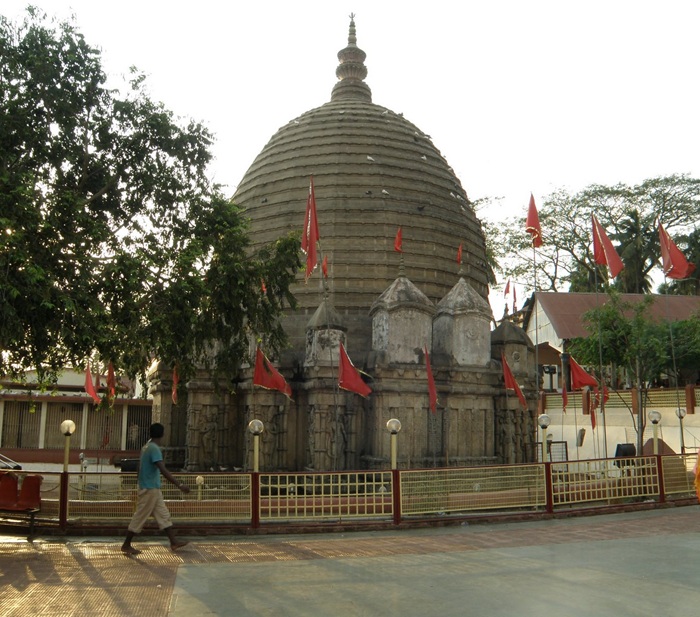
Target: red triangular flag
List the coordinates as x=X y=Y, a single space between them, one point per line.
x=510 y=382
x=459 y=254
x=579 y=377
x=267 y=376
x=432 y=391
x=675 y=265
x=176 y=381
x=89 y=386
x=604 y=252
x=310 y=236
x=111 y=383
x=263 y=287
x=564 y=397
x=324 y=266
x=506 y=291
x=349 y=377
x=593 y=419
x=398 y=241
x=532 y=224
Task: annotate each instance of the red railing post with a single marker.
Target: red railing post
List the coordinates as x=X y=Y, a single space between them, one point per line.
x=660 y=472
x=548 y=490
x=63 y=502
x=396 y=495
x=255 y=499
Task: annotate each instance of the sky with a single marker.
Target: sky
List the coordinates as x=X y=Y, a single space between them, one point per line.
x=519 y=97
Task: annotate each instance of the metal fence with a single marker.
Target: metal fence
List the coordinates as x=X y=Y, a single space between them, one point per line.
x=84 y=500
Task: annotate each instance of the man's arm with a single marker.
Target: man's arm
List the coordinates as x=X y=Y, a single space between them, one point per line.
x=168 y=476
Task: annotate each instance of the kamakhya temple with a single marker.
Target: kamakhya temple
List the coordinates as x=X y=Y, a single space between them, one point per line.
x=373 y=171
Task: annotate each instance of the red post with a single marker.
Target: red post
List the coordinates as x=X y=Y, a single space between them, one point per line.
x=548 y=489
x=63 y=502
x=396 y=495
x=255 y=499
x=660 y=475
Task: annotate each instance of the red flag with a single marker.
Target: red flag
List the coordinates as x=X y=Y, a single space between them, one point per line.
x=176 y=381
x=398 y=240
x=514 y=299
x=593 y=420
x=324 y=266
x=267 y=376
x=564 y=397
x=675 y=265
x=579 y=377
x=510 y=382
x=506 y=291
x=459 y=254
x=263 y=287
x=111 y=383
x=349 y=377
x=604 y=252
x=432 y=391
x=310 y=236
x=532 y=224
x=89 y=386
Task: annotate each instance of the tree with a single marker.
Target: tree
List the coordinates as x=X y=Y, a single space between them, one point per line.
x=628 y=213
x=113 y=239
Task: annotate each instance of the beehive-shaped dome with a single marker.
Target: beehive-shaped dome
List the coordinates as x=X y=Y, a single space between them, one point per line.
x=373 y=171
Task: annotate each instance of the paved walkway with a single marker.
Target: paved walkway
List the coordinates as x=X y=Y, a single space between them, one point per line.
x=631 y=564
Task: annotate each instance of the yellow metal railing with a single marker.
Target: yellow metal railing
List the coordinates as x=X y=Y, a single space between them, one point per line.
x=579 y=482
x=337 y=496
x=257 y=499
x=443 y=491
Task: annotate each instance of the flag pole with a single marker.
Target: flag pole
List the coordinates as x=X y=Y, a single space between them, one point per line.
x=600 y=362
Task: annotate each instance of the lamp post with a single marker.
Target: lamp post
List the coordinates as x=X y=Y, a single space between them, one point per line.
x=393 y=426
x=680 y=412
x=543 y=421
x=655 y=418
x=256 y=427
x=67 y=429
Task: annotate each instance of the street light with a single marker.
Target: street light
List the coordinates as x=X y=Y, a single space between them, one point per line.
x=393 y=426
x=680 y=412
x=67 y=429
x=256 y=427
x=655 y=418
x=543 y=421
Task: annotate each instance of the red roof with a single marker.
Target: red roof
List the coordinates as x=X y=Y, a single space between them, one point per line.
x=565 y=310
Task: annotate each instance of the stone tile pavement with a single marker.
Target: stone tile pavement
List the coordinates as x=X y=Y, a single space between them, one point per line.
x=627 y=564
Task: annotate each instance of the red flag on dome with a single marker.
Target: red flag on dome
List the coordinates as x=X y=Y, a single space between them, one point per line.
x=111 y=383
x=604 y=252
x=310 y=236
x=267 y=376
x=459 y=254
x=532 y=224
x=349 y=377
x=398 y=241
x=510 y=382
x=506 y=291
x=564 y=397
x=89 y=386
x=324 y=266
x=432 y=391
x=579 y=377
x=675 y=265
x=176 y=381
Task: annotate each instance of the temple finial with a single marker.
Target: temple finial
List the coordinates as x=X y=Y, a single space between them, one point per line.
x=352 y=70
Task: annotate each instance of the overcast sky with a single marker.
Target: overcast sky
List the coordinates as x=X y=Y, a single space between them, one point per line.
x=518 y=96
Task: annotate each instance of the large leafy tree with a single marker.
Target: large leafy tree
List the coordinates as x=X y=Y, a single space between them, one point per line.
x=629 y=214
x=113 y=240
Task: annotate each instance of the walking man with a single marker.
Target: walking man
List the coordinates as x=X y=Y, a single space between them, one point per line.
x=150 y=498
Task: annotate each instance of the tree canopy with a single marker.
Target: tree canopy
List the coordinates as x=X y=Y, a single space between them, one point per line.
x=630 y=216
x=113 y=240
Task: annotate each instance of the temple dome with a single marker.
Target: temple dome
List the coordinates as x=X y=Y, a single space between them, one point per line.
x=373 y=171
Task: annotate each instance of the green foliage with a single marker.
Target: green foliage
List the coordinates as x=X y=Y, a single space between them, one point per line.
x=630 y=216
x=112 y=239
